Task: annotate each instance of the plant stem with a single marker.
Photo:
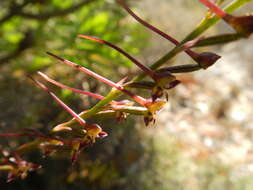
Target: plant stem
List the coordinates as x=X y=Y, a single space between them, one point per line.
x=61 y=103
x=205 y=24
x=138 y=99
x=97 y=96
x=202 y=27
x=219 y=39
x=144 y=68
x=214 y=8
x=134 y=110
x=155 y=29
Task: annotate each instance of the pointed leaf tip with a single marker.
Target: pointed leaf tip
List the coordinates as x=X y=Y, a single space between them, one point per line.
x=207 y=59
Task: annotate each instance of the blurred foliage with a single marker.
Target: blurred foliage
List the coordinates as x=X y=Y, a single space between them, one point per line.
x=58 y=34
x=204 y=139
x=46 y=25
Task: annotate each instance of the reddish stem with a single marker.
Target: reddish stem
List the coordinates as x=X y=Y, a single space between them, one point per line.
x=68 y=109
x=145 y=69
x=97 y=96
x=138 y=99
x=154 y=29
x=214 y=8
x=142 y=101
x=87 y=71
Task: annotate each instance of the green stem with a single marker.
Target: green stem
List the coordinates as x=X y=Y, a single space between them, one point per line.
x=203 y=26
x=133 y=110
x=220 y=39
x=210 y=21
x=110 y=97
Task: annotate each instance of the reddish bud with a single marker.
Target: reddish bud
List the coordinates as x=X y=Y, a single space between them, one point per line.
x=206 y=59
x=185 y=47
x=161 y=79
x=102 y=134
x=242 y=24
x=94 y=131
x=162 y=82
x=19 y=167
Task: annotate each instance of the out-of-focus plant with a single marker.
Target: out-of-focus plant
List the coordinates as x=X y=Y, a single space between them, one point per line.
x=77 y=133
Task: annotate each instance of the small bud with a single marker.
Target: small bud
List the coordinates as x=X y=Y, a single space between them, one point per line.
x=20 y=168
x=153 y=108
x=95 y=131
x=161 y=79
x=102 y=134
x=200 y=58
x=242 y=24
x=206 y=59
x=184 y=47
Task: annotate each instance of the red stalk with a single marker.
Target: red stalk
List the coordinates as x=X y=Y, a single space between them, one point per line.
x=242 y=24
x=68 y=109
x=138 y=99
x=214 y=8
x=87 y=71
x=97 y=96
x=145 y=69
x=154 y=29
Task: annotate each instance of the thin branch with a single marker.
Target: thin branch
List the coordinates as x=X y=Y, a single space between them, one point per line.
x=204 y=25
x=13 y=11
x=61 y=103
x=97 y=96
x=87 y=71
x=144 y=68
x=153 y=28
x=54 y=13
x=139 y=99
x=17 y=10
x=214 y=8
x=24 y=44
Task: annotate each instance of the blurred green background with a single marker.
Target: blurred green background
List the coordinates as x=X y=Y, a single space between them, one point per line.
x=202 y=140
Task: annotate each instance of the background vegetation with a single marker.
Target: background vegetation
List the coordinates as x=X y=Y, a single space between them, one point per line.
x=202 y=140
